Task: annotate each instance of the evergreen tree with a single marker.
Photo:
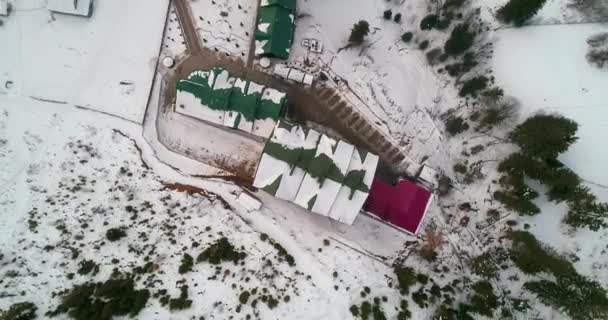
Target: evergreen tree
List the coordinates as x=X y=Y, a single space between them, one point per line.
x=461 y=39
x=358 y=32
x=483 y=301
x=397 y=18
x=388 y=14
x=519 y=11
x=578 y=296
x=545 y=136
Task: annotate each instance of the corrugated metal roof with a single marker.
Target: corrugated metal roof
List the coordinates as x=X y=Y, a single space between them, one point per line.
x=403 y=205
x=326 y=176
x=274 y=32
x=236 y=103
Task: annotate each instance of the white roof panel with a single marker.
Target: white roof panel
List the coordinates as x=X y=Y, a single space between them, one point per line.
x=75 y=7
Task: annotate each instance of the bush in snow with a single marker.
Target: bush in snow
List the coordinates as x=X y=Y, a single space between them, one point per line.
x=468 y=62
x=532 y=257
x=484 y=266
x=406 y=277
x=519 y=11
x=433 y=56
x=19 y=311
x=461 y=39
x=186 y=264
x=423 y=45
x=429 y=22
x=407 y=37
x=115 y=234
x=456 y=125
x=397 y=18
x=578 y=296
x=388 y=14
x=473 y=86
x=220 y=251
x=597 y=53
x=483 y=301
x=359 y=31
x=103 y=300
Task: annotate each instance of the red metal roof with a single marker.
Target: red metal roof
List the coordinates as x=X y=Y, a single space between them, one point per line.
x=403 y=205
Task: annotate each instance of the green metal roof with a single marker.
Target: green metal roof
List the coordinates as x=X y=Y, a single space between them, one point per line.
x=274 y=32
x=218 y=91
x=242 y=102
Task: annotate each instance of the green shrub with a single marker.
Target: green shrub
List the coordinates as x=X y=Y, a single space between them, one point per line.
x=473 y=86
x=406 y=277
x=483 y=301
x=244 y=297
x=397 y=18
x=483 y=265
x=103 y=300
x=182 y=302
x=220 y=251
x=519 y=11
x=456 y=125
x=407 y=37
x=429 y=22
x=19 y=311
x=460 y=168
x=359 y=31
x=461 y=39
x=87 y=266
x=115 y=234
x=186 y=264
x=532 y=257
x=423 y=45
x=388 y=14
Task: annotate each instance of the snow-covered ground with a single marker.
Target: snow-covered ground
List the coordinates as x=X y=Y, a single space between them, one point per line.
x=173 y=44
x=385 y=79
x=225 y=25
x=69 y=175
x=546 y=69
x=105 y=62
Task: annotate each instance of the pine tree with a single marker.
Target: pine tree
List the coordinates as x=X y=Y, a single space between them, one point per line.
x=545 y=136
x=578 y=296
x=388 y=14
x=519 y=11
x=358 y=32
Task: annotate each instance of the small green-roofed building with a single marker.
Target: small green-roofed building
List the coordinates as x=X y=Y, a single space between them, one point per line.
x=275 y=29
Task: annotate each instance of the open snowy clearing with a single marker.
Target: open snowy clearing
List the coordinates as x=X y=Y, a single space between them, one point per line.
x=385 y=78
x=546 y=69
x=105 y=62
x=225 y=25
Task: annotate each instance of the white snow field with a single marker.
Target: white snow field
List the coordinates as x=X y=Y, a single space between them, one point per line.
x=385 y=79
x=105 y=62
x=225 y=25
x=69 y=175
x=546 y=69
